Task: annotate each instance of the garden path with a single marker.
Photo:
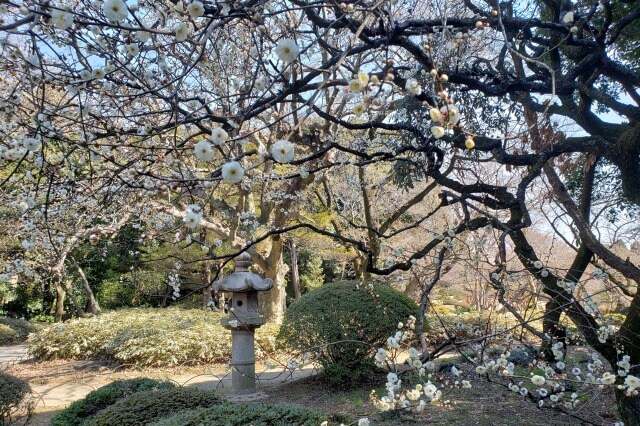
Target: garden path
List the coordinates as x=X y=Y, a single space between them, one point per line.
x=13 y=353
x=57 y=384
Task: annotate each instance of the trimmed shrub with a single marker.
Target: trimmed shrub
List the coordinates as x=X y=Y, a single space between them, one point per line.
x=13 y=391
x=14 y=330
x=99 y=399
x=145 y=337
x=143 y=408
x=345 y=323
x=255 y=415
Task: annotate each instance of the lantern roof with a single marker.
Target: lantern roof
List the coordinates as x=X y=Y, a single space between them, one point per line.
x=242 y=280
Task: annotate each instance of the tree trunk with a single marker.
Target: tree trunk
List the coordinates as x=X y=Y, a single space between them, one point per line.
x=48 y=300
x=206 y=289
x=67 y=286
x=59 y=301
x=629 y=408
x=295 y=275
x=272 y=302
x=92 y=303
x=412 y=286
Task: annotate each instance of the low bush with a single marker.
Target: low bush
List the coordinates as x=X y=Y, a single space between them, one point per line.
x=99 y=399
x=145 y=337
x=345 y=323
x=13 y=391
x=14 y=330
x=255 y=415
x=142 y=408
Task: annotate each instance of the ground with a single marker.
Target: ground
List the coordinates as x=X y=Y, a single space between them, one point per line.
x=58 y=383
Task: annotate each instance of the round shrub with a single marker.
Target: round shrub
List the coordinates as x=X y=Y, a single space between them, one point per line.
x=254 y=414
x=13 y=391
x=145 y=337
x=142 y=408
x=345 y=323
x=99 y=399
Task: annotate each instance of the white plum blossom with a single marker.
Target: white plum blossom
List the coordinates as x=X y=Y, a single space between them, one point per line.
x=261 y=83
x=219 y=136
x=414 y=394
x=287 y=50
x=203 y=150
x=283 y=151
x=625 y=363
x=232 y=172
x=435 y=114
x=85 y=74
x=195 y=9
x=413 y=86
x=31 y=144
x=568 y=18
x=608 y=378
x=632 y=383
x=356 y=86
x=132 y=49
x=182 y=31
x=363 y=78
x=115 y=10
x=97 y=73
x=61 y=19
x=437 y=131
x=451 y=113
x=192 y=216
x=538 y=380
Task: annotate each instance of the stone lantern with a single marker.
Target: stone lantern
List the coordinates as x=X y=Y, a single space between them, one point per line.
x=242 y=321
